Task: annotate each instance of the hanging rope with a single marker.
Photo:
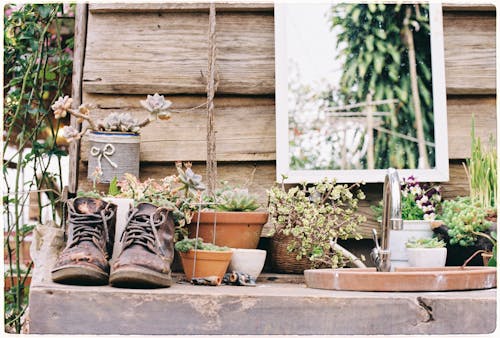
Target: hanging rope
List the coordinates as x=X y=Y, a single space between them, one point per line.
x=211 y=153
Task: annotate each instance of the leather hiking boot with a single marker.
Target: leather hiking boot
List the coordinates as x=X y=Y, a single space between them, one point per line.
x=147 y=249
x=90 y=232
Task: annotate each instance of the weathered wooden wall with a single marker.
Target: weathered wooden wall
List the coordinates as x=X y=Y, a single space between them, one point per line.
x=138 y=49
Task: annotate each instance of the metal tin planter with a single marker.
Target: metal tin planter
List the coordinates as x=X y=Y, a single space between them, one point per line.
x=115 y=153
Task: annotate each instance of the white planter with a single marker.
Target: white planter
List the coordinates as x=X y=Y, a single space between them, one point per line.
x=250 y=261
x=123 y=206
x=398 y=239
x=426 y=257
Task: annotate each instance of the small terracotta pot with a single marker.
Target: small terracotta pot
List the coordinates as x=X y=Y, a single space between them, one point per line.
x=208 y=263
x=233 y=229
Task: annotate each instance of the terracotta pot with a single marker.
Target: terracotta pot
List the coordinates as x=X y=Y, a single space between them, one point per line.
x=486 y=257
x=24 y=248
x=233 y=229
x=208 y=263
x=7 y=284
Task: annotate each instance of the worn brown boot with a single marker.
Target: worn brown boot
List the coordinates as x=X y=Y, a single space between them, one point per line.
x=147 y=249
x=90 y=232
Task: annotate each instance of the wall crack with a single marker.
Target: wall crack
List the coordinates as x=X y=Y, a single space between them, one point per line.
x=427 y=308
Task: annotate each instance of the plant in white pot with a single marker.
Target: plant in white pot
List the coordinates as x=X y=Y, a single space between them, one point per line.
x=115 y=140
x=426 y=252
x=419 y=205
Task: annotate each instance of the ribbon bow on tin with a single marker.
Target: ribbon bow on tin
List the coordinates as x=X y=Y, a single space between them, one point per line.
x=108 y=150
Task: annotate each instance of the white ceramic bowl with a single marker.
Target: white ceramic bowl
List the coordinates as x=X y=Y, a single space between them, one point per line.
x=250 y=261
x=426 y=257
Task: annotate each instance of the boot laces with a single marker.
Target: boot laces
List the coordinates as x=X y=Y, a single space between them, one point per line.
x=141 y=230
x=89 y=227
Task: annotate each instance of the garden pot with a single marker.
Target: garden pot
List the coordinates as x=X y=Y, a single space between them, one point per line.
x=398 y=239
x=283 y=261
x=426 y=257
x=24 y=248
x=115 y=153
x=208 y=263
x=458 y=254
x=250 y=261
x=233 y=229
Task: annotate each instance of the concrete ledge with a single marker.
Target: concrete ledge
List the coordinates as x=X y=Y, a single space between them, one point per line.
x=269 y=308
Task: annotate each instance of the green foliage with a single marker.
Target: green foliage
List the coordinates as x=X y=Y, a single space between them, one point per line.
x=425 y=243
x=376 y=60
x=464 y=217
x=482 y=172
x=37 y=67
x=315 y=215
x=188 y=244
x=113 y=189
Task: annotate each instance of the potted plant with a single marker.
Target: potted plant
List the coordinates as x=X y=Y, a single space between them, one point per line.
x=426 y=252
x=463 y=220
x=230 y=219
x=115 y=140
x=420 y=202
x=202 y=260
x=308 y=222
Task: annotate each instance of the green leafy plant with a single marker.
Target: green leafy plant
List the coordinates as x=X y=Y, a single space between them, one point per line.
x=481 y=170
x=375 y=43
x=316 y=216
x=230 y=198
x=464 y=217
x=113 y=189
x=425 y=243
x=37 y=67
x=419 y=201
x=187 y=244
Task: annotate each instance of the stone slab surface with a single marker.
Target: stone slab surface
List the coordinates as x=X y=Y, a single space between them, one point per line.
x=269 y=308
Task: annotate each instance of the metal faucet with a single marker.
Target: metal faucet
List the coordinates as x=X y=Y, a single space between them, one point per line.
x=391 y=220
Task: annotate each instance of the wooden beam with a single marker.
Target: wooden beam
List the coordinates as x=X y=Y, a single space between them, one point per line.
x=76 y=89
x=256 y=6
x=477 y=6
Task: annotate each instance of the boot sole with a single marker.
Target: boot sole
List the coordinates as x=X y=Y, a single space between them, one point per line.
x=137 y=277
x=79 y=275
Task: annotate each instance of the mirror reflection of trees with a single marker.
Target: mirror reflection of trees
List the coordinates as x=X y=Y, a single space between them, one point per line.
x=381 y=114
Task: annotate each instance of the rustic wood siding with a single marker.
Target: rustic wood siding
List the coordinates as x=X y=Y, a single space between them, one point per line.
x=138 y=49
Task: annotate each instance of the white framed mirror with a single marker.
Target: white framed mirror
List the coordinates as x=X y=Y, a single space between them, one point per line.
x=360 y=88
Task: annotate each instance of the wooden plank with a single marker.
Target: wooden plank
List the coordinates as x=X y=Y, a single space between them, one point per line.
x=245 y=130
x=167 y=53
x=76 y=89
x=246 y=67
x=470 y=52
x=264 y=178
x=460 y=113
x=179 y=7
x=479 y=6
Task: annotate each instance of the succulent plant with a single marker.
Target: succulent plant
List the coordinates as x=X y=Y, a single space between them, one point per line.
x=464 y=217
x=188 y=244
x=236 y=199
x=191 y=182
x=156 y=105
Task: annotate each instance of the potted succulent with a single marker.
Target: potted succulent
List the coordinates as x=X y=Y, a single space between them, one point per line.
x=230 y=219
x=420 y=203
x=308 y=222
x=115 y=140
x=426 y=252
x=203 y=260
x=463 y=220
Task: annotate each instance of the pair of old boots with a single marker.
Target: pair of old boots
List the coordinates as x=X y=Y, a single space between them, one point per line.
x=146 y=246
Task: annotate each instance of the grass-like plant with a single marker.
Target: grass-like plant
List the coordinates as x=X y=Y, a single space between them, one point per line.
x=481 y=170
